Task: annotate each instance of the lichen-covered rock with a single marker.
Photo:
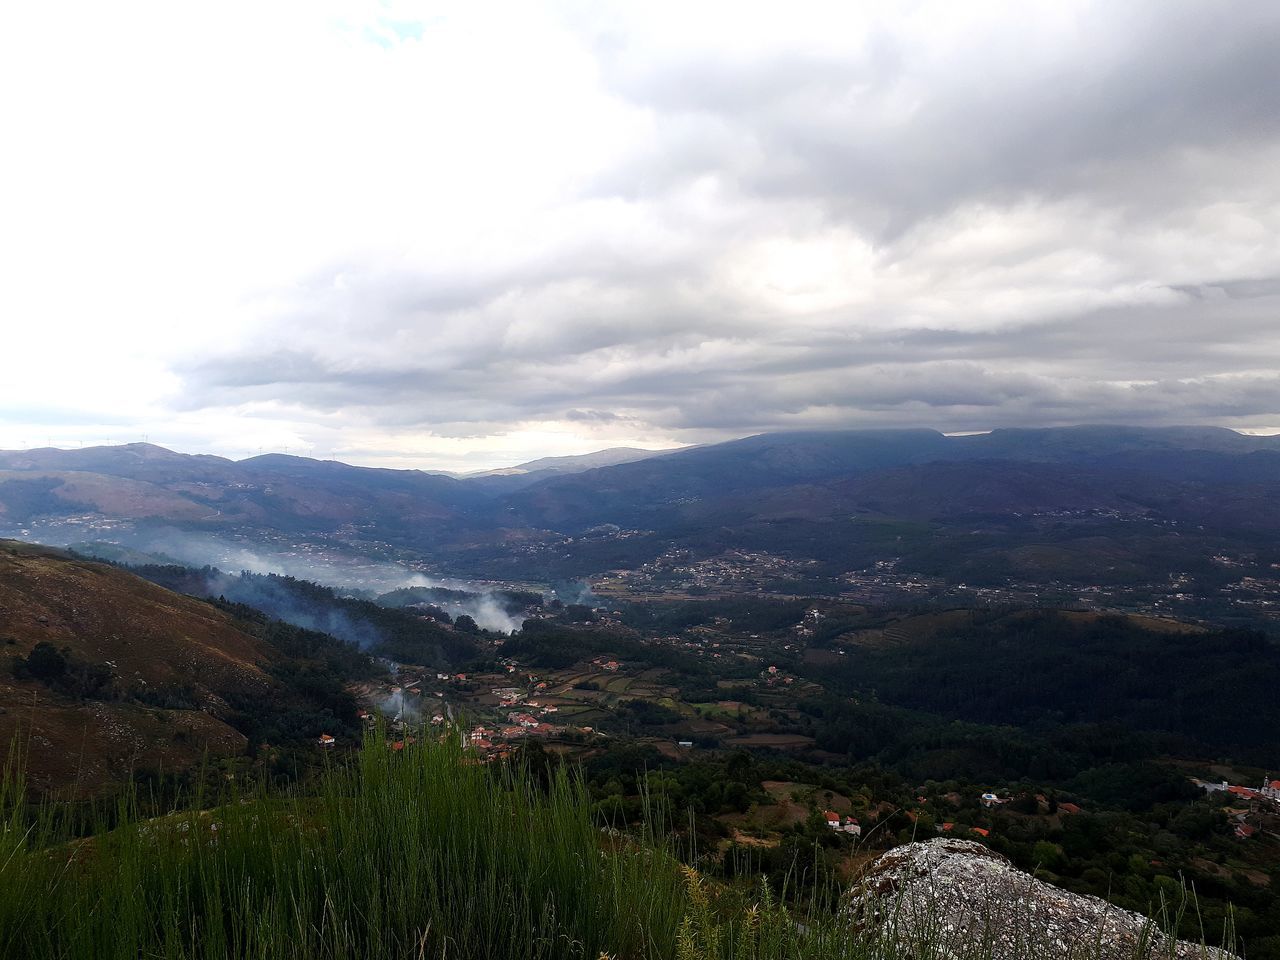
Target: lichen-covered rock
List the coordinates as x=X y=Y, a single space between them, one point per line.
x=954 y=898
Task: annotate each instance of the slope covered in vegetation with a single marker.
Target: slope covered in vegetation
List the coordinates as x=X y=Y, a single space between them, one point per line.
x=104 y=676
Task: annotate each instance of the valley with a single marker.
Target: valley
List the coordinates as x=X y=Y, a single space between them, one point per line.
x=817 y=649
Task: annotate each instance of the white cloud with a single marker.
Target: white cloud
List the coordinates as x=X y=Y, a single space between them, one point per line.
x=435 y=233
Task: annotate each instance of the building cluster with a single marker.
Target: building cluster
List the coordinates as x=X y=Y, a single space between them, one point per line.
x=808 y=623
x=950 y=827
x=1254 y=809
x=839 y=824
x=771 y=676
x=734 y=571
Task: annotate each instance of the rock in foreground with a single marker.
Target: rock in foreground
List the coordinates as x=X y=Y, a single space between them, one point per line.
x=954 y=898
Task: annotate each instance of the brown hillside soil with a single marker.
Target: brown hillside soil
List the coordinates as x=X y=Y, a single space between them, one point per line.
x=158 y=647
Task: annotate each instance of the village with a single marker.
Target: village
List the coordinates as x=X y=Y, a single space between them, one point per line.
x=729 y=705
x=573 y=710
x=676 y=574
x=583 y=709
x=1252 y=810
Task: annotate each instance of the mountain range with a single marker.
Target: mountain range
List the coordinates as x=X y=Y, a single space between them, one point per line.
x=1088 y=504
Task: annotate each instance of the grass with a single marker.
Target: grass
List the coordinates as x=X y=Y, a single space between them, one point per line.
x=416 y=854
x=419 y=854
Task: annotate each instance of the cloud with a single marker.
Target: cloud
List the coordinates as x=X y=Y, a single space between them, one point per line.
x=591 y=416
x=462 y=240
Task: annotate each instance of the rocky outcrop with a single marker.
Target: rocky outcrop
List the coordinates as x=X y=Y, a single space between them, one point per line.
x=954 y=898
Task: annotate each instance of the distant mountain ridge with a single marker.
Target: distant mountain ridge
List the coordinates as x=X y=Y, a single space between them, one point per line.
x=507 y=479
x=985 y=500
x=575 y=463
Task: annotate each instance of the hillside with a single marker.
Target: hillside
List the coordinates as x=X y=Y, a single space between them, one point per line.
x=507 y=479
x=378 y=629
x=138 y=485
x=1134 y=676
x=104 y=674
x=919 y=474
x=635 y=491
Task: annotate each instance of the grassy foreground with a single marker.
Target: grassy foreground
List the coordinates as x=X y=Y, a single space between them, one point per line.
x=419 y=854
x=413 y=854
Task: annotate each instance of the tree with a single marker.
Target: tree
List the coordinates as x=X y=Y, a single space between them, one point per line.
x=1048 y=855
x=1025 y=803
x=740 y=765
x=737 y=796
x=466 y=624
x=45 y=662
x=579 y=613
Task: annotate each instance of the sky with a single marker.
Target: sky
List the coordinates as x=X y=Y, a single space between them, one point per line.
x=460 y=236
